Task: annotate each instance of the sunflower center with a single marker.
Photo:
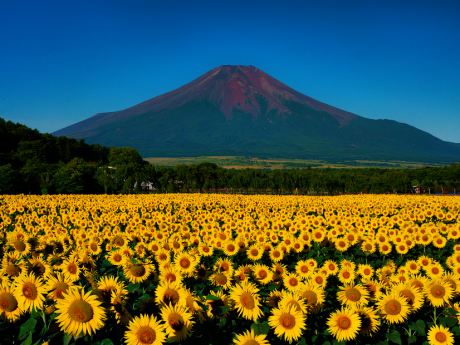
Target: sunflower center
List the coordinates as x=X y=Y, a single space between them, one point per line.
x=61 y=287
x=319 y=280
x=331 y=267
x=170 y=296
x=170 y=277
x=393 y=307
x=262 y=274
x=217 y=303
x=106 y=293
x=435 y=270
x=146 y=335
x=365 y=321
x=310 y=296
x=293 y=282
x=438 y=291
x=252 y=342
x=184 y=263
x=344 y=323
x=201 y=272
x=38 y=269
x=367 y=271
x=254 y=252
x=8 y=302
x=409 y=295
x=137 y=270
x=276 y=254
x=13 y=270
x=346 y=275
x=117 y=258
x=81 y=311
x=304 y=269
x=287 y=320
x=176 y=322
x=29 y=291
x=221 y=279
x=247 y=300
x=452 y=284
x=231 y=247
x=93 y=247
x=353 y=294
x=72 y=268
x=19 y=246
x=441 y=337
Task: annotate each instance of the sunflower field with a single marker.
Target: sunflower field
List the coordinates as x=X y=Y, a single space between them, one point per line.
x=229 y=269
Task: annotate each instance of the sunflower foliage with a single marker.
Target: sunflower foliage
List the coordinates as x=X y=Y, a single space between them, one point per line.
x=229 y=269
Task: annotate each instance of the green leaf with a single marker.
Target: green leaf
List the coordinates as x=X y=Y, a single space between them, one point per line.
x=27 y=328
x=412 y=339
x=212 y=298
x=419 y=327
x=133 y=287
x=106 y=263
x=106 y=342
x=260 y=328
x=28 y=341
x=448 y=321
x=66 y=339
x=220 y=311
x=302 y=341
x=395 y=337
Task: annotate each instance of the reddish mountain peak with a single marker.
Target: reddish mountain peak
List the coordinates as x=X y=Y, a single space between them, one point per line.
x=231 y=87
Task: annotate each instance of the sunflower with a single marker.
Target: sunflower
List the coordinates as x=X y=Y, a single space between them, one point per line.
x=189 y=301
x=171 y=275
x=292 y=282
x=435 y=270
x=11 y=266
x=420 y=282
x=116 y=257
x=331 y=267
x=413 y=296
x=145 y=330
x=273 y=299
x=352 y=295
x=254 y=252
x=303 y=269
x=29 y=291
x=168 y=293
x=341 y=245
x=137 y=272
x=262 y=274
x=247 y=301
x=221 y=279
x=118 y=307
x=368 y=247
x=393 y=307
x=224 y=265
x=385 y=248
x=365 y=271
x=10 y=310
x=438 y=293
x=344 y=324
x=319 y=279
x=178 y=323
x=250 y=338
x=292 y=299
x=453 y=281
x=57 y=285
x=79 y=312
x=346 y=275
x=39 y=267
x=279 y=270
x=231 y=248
x=440 y=335
x=369 y=320
x=201 y=272
x=71 y=270
x=185 y=264
x=312 y=294
x=106 y=286
x=413 y=267
x=219 y=299
x=276 y=255
x=287 y=322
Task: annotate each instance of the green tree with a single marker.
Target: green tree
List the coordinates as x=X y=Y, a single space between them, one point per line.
x=9 y=178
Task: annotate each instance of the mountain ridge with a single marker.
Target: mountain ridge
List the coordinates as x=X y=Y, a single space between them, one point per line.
x=243 y=110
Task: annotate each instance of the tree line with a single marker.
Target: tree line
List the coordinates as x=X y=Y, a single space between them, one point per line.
x=35 y=163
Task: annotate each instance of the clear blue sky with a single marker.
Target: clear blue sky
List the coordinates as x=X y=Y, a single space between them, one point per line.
x=64 y=61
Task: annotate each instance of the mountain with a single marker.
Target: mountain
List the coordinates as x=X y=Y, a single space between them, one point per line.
x=241 y=110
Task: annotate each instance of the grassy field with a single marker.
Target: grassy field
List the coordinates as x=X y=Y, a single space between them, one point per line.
x=241 y=162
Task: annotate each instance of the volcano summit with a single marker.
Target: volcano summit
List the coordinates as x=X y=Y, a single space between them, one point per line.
x=241 y=110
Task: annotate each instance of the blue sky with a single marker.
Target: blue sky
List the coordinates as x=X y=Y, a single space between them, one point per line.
x=64 y=61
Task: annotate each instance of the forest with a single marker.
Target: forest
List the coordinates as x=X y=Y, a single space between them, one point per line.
x=35 y=163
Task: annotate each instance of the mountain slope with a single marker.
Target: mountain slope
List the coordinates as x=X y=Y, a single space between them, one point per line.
x=239 y=110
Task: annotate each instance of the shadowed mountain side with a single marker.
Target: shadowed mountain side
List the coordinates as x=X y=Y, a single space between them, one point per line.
x=238 y=110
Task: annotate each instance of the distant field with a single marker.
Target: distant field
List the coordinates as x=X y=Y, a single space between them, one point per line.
x=241 y=162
